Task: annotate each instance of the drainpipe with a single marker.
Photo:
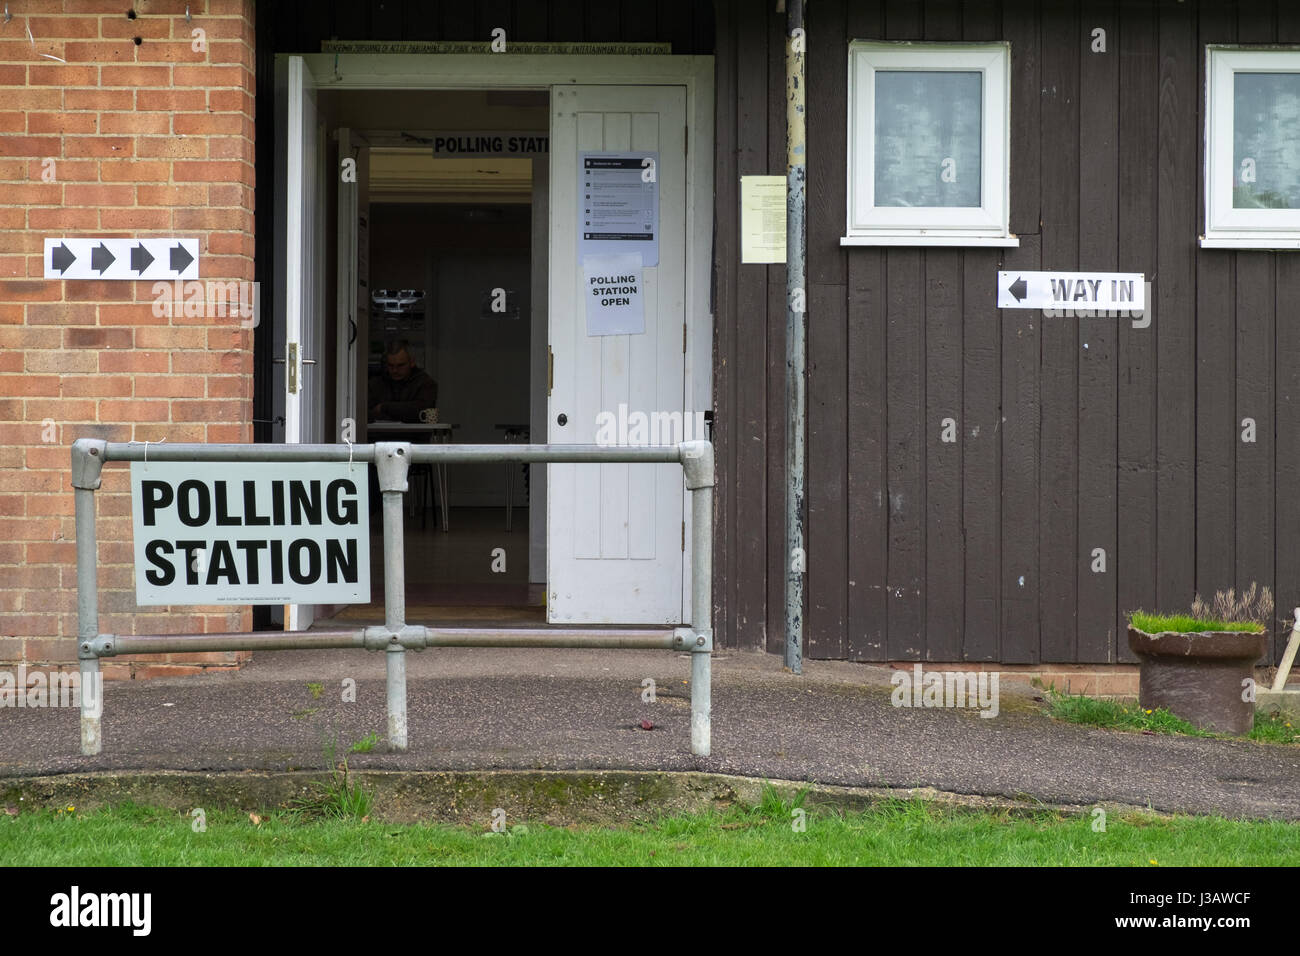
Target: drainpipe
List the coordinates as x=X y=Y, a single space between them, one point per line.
x=795 y=345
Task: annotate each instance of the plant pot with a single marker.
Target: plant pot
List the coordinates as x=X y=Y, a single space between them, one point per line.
x=1200 y=676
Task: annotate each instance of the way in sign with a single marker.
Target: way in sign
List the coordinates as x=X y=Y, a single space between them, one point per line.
x=1054 y=290
x=108 y=258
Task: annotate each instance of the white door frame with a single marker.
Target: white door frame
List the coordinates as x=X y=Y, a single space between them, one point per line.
x=420 y=71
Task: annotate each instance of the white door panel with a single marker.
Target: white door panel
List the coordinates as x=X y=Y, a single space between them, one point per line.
x=615 y=531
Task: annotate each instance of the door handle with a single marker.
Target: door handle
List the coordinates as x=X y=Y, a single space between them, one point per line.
x=561 y=419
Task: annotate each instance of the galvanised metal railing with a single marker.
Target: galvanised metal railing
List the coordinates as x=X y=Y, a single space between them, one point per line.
x=395 y=637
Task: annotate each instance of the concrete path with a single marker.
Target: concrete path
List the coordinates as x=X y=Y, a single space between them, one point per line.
x=476 y=709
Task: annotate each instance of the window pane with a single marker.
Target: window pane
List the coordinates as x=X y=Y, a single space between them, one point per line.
x=928 y=138
x=1266 y=141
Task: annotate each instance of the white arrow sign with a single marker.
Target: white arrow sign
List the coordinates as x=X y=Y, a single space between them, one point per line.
x=1094 y=291
x=122 y=259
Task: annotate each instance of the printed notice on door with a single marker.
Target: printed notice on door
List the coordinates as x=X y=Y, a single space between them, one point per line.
x=762 y=218
x=615 y=294
x=618 y=205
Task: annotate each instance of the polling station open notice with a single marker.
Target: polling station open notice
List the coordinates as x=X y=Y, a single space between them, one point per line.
x=250 y=533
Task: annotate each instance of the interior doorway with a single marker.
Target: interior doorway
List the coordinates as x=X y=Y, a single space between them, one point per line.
x=444 y=278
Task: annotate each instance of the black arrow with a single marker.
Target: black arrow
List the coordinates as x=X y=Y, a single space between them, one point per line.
x=61 y=258
x=181 y=255
x=1018 y=289
x=101 y=258
x=140 y=258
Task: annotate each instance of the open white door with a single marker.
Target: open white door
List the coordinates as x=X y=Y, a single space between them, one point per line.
x=304 y=274
x=615 y=532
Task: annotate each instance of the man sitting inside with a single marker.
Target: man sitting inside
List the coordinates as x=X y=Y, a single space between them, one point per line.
x=403 y=390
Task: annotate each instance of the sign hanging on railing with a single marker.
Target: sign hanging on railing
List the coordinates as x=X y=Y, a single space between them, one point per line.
x=251 y=533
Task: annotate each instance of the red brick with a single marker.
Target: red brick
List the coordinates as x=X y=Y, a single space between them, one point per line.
x=134 y=361
x=149 y=27
x=97 y=386
x=230 y=386
x=94 y=290
x=230 y=147
x=134 y=171
x=208 y=124
x=172 y=147
x=30 y=146
x=32 y=99
x=65 y=170
x=228 y=434
x=183 y=411
x=171 y=195
x=23 y=241
x=93 y=6
x=132 y=219
x=133 y=411
x=140 y=123
x=64 y=26
x=41 y=74
x=169 y=386
x=136 y=76
x=231 y=101
x=212 y=172
x=235 y=51
x=61 y=218
x=170 y=431
x=52 y=552
x=61 y=122
x=60 y=409
x=60 y=313
x=33 y=194
x=13 y=75
x=14 y=123
x=106 y=51
x=29 y=385
x=61 y=361
x=171 y=101
x=13 y=267
x=116 y=147
x=170 y=51
x=230 y=243
x=11 y=361
x=97 y=195
x=32 y=291
x=210 y=76
x=231 y=217
x=12 y=218
x=98 y=99
x=11 y=314
x=169 y=337
x=131 y=315
x=97 y=338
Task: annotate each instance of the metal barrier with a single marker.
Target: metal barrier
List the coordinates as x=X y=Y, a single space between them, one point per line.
x=395 y=636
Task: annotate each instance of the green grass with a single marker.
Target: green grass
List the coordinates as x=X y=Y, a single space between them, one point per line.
x=1078 y=709
x=891 y=833
x=1186 y=624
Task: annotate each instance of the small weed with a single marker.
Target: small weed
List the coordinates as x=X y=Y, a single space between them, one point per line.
x=365 y=744
x=336 y=798
x=305 y=712
x=315 y=690
x=1078 y=709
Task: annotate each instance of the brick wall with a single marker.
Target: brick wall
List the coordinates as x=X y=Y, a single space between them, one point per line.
x=144 y=129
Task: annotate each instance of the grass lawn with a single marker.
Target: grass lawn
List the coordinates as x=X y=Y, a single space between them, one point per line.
x=1100 y=712
x=892 y=833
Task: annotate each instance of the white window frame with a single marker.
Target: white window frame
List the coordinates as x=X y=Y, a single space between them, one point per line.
x=1227 y=227
x=986 y=225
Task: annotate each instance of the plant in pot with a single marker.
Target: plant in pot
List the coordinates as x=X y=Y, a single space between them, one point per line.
x=1201 y=666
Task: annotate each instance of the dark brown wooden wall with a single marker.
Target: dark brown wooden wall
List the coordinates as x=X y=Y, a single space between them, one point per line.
x=1076 y=433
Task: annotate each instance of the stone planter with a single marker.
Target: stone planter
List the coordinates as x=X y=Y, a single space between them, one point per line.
x=1199 y=676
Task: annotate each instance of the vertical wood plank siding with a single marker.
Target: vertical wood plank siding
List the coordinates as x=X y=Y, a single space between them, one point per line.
x=1078 y=437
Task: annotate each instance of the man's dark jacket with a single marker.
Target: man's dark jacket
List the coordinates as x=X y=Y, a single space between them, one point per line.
x=403 y=400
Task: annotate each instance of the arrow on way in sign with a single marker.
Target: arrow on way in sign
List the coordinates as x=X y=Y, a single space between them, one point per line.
x=181 y=256
x=1018 y=289
x=101 y=258
x=61 y=258
x=140 y=259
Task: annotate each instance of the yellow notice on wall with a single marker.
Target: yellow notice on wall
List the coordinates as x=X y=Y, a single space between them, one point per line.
x=762 y=219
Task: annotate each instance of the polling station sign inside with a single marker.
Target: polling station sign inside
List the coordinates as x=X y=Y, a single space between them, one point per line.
x=250 y=533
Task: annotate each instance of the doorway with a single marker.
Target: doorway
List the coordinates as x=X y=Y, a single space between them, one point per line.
x=607 y=542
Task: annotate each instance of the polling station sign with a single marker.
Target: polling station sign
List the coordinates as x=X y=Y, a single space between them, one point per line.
x=250 y=533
